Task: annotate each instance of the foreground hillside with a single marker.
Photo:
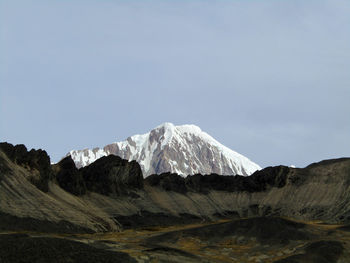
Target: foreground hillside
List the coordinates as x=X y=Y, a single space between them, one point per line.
x=170 y=215
x=259 y=239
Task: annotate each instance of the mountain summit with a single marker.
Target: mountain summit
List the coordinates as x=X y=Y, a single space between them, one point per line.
x=184 y=149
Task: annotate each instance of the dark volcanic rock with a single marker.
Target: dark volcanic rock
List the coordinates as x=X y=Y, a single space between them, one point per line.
x=69 y=177
x=271 y=176
x=108 y=175
x=35 y=161
x=317 y=192
x=259 y=181
x=168 y=181
x=205 y=183
x=112 y=175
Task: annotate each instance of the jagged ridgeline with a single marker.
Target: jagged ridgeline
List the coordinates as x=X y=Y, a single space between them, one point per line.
x=111 y=193
x=269 y=215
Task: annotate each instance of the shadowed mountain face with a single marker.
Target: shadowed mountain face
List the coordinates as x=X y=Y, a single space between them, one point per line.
x=69 y=177
x=112 y=175
x=108 y=175
x=113 y=189
x=37 y=162
x=259 y=181
x=110 y=195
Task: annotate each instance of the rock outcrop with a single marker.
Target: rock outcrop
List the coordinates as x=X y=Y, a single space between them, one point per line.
x=109 y=175
x=69 y=177
x=111 y=193
x=37 y=162
x=112 y=175
x=259 y=181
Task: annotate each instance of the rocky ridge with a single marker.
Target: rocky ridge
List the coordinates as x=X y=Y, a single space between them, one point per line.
x=111 y=193
x=278 y=214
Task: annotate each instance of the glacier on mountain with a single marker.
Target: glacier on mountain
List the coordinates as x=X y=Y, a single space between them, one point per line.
x=184 y=149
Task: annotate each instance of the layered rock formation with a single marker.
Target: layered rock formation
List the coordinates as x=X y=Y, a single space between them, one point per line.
x=27 y=205
x=36 y=162
x=111 y=193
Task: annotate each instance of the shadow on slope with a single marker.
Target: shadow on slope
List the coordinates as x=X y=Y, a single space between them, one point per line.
x=317 y=252
x=22 y=248
x=266 y=230
x=14 y=223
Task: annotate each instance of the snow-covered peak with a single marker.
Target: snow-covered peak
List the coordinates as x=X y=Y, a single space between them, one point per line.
x=189 y=128
x=166 y=126
x=184 y=149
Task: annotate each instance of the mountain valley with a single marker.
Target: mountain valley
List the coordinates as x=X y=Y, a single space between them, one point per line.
x=108 y=212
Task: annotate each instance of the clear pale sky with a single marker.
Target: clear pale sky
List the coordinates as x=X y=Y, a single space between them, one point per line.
x=269 y=79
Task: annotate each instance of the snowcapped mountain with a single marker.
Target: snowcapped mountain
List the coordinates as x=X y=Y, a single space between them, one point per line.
x=182 y=149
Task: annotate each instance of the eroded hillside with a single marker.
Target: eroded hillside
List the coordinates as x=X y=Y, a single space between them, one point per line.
x=110 y=196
